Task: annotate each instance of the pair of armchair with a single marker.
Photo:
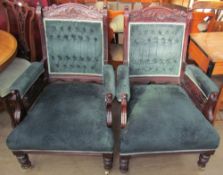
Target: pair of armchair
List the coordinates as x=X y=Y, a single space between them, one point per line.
x=73 y=112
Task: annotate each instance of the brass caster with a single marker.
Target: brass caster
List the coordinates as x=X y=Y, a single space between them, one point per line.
x=201 y=168
x=107 y=172
x=27 y=167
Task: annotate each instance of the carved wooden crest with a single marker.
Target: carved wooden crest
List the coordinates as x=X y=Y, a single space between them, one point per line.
x=72 y=10
x=159 y=13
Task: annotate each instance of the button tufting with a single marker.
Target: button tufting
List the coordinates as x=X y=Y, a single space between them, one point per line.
x=87 y=38
x=77 y=29
x=88 y=59
x=60 y=58
x=66 y=36
x=73 y=36
x=80 y=37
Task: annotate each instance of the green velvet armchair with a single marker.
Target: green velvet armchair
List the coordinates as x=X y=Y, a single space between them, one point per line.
x=166 y=106
x=73 y=112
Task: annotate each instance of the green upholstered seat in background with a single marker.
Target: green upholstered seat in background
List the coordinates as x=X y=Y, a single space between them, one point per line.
x=66 y=117
x=163 y=118
x=14 y=71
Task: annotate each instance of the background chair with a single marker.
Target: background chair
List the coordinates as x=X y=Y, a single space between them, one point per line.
x=211 y=21
x=212 y=16
x=169 y=110
x=72 y=113
x=20 y=18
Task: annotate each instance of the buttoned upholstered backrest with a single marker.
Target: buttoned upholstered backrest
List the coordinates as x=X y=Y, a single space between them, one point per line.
x=156 y=39
x=74 y=36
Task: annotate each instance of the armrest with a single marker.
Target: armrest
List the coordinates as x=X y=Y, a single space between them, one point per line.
x=109 y=83
x=123 y=91
x=123 y=85
x=201 y=80
x=28 y=78
x=109 y=80
x=202 y=91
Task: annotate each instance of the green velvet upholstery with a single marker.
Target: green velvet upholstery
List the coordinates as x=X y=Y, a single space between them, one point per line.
x=66 y=117
x=109 y=79
x=123 y=85
x=28 y=78
x=11 y=73
x=74 y=47
x=155 y=49
x=206 y=85
x=162 y=118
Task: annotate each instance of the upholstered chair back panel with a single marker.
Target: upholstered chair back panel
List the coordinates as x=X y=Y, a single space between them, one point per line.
x=74 y=47
x=155 y=49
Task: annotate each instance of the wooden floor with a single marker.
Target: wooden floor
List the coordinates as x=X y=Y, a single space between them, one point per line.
x=86 y=165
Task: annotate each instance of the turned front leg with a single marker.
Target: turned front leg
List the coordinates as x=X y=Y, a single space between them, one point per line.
x=204 y=158
x=23 y=159
x=124 y=164
x=108 y=161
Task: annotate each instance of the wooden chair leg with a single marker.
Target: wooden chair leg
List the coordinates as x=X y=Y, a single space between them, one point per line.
x=204 y=158
x=124 y=164
x=23 y=159
x=219 y=103
x=108 y=161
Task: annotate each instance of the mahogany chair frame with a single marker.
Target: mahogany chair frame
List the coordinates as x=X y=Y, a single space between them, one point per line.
x=205 y=105
x=20 y=19
x=70 y=10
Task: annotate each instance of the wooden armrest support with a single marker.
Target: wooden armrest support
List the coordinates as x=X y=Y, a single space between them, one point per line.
x=204 y=104
x=15 y=107
x=108 y=101
x=209 y=107
x=123 y=110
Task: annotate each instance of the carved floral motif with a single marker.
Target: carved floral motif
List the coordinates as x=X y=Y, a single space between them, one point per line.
x=158 y=14
x=71 y=10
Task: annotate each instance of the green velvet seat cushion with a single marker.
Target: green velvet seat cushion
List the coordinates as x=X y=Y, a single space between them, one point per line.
x=11 y=73
x=66 y=117
x=162 y=118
